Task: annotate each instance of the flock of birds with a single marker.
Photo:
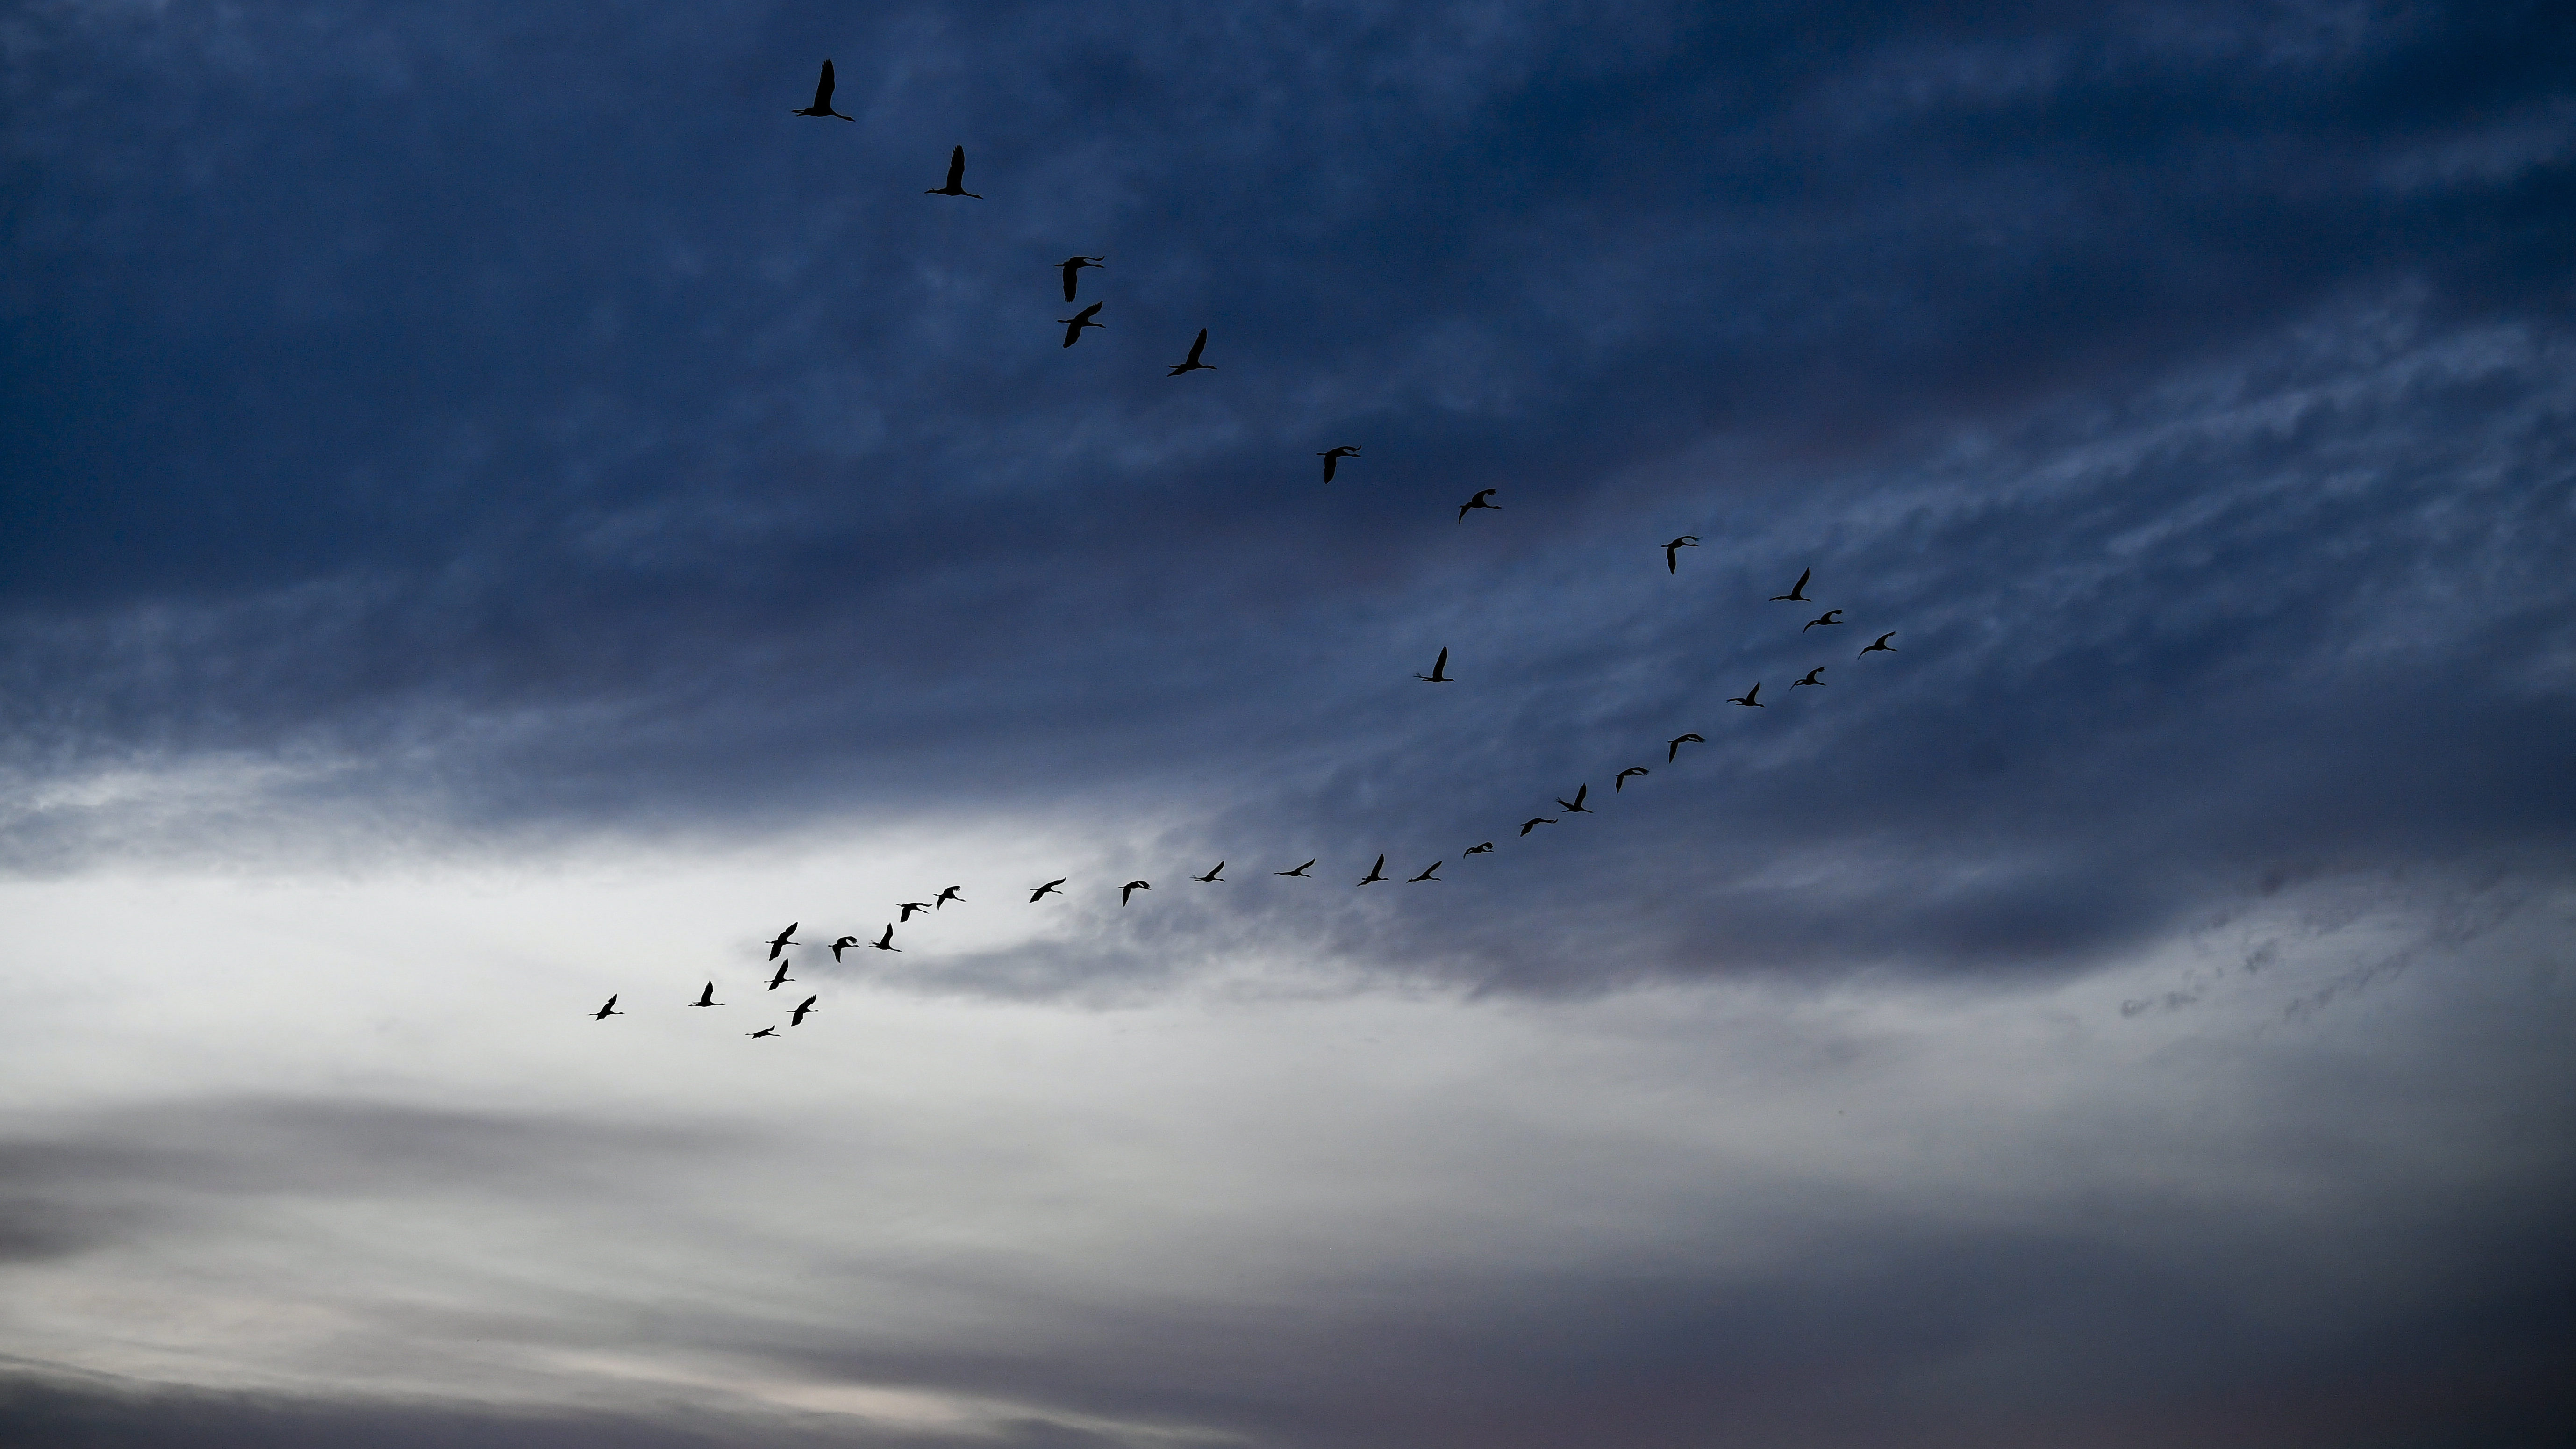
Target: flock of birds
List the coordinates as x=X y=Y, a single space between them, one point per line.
x=1071 y=269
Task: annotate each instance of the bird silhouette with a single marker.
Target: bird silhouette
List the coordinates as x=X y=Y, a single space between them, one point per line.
x=1477 y=502
x=956 y=177
x=705 y=998
x=1130 y=888
x=1811 y=678
x=1621 y=783
x=1439 y=671
x=1576 y=806
x=803 y=1009
x=1672 y=552
x=1827 y=617
x=780 y=976
x=1047 y=889
x=1797 y=592
x=1191 y=363
x=764 y=1031
x=609 y=1009
x=948 y=895
x=1746 y=698
x=1299 y=872
x=1673 y=746
x=1211 y=875
x=785 y=939
x=1074 y=324
x=1073 y=266
x=1426 y=872
x=822 y=107
x=1487 y=848
x=1333 y=457
x=1881 y=644
x=1535 y=822
x=1376 y=873
x=886 y=941
x=908 y=907
x=841 y=945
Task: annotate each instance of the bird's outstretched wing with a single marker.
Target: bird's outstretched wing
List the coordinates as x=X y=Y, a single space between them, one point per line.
x=957 y=167
x=823 y=89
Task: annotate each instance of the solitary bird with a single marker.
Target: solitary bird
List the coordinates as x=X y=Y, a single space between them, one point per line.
x=1673 y=746
x=1211 y=875
x=841 y=945
x=764 y=1031
x=1485 y=849
x=1376 y=873
x=1439 y=668
x=944 y=897
x=1191 y=363
x=1827 y=617
x=1811 y=678
x=1881 y=644
x=1746 y=698
x=1672 y=552
x=785 y=939
x=1478 y=502
x=1576 y=806
x=1299 y=872
x=1048 y=888
x=822 y=107
x=609 y=1009
x=1426 y=872
x=1074 y=324
x=803 y=1009
x=705 y=998
x=1621 y=783
x=781 y=977
x=1333 y=458
x=1072 y=268
x=1535 y=822
x=908 y=907
x=1130 y=888
x=886 y=941
x=1797 y=592
x=956 y=177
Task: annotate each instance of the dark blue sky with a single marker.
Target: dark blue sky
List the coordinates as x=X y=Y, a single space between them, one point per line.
x=490 y=430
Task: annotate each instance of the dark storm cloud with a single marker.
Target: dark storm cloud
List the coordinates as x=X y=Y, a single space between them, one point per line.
x=518 y=418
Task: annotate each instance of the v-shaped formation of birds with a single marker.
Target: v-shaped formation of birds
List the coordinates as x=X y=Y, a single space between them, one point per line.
x=1071 y=268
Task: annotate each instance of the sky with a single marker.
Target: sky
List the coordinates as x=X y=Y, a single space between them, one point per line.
x=497 y=513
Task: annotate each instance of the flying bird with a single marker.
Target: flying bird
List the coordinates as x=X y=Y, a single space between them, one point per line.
x=764 y=1031
x=1211 y=875
x=1073 y=266
x=1534 y=822
x=609 y=1009
x=822 y=107
x=1673 y=746
x=1426 y=872
x=1376 y=873
x=1672 y=552
x=781 y=976
x=1811 y=678
x=1485 y=849
x=1048 y=888
x=803 y=1008
x=1576 y=806
x=1299 y=872
x=948 y=895
x=1797 y=592
x=1621 y=783
x=1827 y=617
x=886 y=941
x=1191 y=363
x=1333 y=458
x=1439 y=668
x=1478 y=502
x=1746 y=698
x=908 y=907
x=1881 y=644
x=1130 y=888
x=956 y=177
x=1074 y=324
x=841 y=945
x=705 y=998
x=785 y=939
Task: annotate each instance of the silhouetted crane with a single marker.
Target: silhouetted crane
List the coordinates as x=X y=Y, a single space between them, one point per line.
x=1191 y=363
x=1072 y=270
x=822 y=107
x=956 y=177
